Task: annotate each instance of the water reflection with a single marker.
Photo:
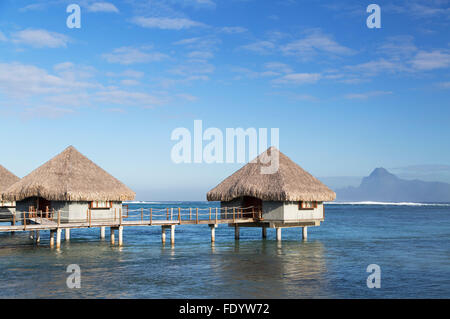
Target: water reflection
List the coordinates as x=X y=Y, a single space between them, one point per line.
x=288 y=269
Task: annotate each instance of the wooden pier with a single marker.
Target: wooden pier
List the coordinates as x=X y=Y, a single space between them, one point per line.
x=168 y=218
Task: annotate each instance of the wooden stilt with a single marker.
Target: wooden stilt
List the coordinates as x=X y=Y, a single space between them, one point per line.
x=67 y=233
x=102 y=232
x=264 y=232
x=305 y=233
x=120 y=235
x=58 y=238
x=52 y=238
x=278 y=233
x=113 y=239
x=163 y=234
x=172 y=234
x=38 y=236
x=236 y=232
x=213 y=232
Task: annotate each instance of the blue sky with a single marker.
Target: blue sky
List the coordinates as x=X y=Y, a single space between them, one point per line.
x=346 y=98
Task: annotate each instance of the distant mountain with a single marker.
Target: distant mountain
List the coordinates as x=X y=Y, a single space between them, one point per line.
x=381 y=185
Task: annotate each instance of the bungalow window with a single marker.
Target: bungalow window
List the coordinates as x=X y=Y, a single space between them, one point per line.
x=305 y=205
x=100 y=205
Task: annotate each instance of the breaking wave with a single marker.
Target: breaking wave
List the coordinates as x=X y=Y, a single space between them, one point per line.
x=389 y=203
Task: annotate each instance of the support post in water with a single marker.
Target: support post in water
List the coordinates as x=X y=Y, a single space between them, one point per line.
x=120 y=235
x=172 y=234
x=58 y=238
x=163 y=234
x=305 y=233
x=67 y=233
x=52 y=238
x=38 y=236
x=278 y=233
x=236 y=232
x=112 y=235
x=264 y=232
x=213 y=232
x=102 y=232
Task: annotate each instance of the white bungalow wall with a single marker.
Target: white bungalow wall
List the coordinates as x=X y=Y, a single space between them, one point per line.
x=288 y=211
x=7 y=209
x=280 y=211
x=78 y=212
x=75 y=211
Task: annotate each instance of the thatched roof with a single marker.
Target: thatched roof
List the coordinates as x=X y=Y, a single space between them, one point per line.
x=6 y=179
x=289 y=183
x=69 y=176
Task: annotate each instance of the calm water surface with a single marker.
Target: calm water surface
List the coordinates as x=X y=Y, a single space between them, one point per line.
x=411 y=244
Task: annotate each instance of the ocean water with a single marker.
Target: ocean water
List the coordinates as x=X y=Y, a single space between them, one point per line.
x=410 y=242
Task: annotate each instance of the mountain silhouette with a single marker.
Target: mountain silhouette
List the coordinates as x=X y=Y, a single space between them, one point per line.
x=382 y=185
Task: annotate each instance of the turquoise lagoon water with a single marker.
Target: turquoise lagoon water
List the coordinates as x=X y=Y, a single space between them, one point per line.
x=411 y=244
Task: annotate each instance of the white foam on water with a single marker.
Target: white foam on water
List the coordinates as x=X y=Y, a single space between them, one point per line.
x=141 y=202
x=388 y=203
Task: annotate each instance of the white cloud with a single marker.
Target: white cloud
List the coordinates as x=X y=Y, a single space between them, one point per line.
x=22 y=80
x=261 y=47
x=366 y=95
x=313 y=44
x=278 y=67
x=40 y=38
x=398 y=47
x=205 y=2
x=132 y=74
x=35 y=91
x=34 y=6
x=436 y=59
x=205 y=44
x=129 y=82
x=420 y=10
x=376 y=67
x=193 y=67
x=196 y=3
x=166 y=23
x=298 y=78
x=102 y=7
x=200 y=55
x=187 y=97
x=46 y=112
x=127 y=98
x=232 y=30
x=444 y=85
x=129 y=55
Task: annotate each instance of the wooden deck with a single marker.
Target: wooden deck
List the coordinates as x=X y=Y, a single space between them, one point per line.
x=45 y=224
x=164 y=218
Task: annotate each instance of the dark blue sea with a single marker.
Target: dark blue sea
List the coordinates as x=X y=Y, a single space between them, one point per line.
x=410 y=243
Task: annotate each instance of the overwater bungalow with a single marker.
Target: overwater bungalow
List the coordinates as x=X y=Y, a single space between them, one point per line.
x=290 y=197
x=7 y=208
x=72 y=185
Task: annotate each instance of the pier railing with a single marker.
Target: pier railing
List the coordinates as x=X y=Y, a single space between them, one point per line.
x=141 y=216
